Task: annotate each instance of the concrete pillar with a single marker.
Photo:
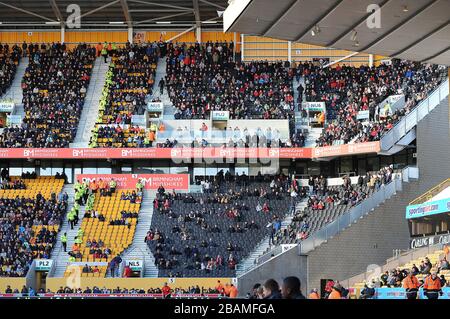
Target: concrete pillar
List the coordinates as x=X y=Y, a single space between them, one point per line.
x=290 y=51
x=242 y=47
x=370 y=60
x=130 y=34
x=63 y=34
x=198 y=34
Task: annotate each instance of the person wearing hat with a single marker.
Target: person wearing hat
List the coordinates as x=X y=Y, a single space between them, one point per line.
x=411 y=284
x=432 y=287
x=368 y=291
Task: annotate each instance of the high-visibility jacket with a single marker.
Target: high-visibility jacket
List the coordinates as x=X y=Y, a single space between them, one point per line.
x=432 y=284
x=411 y=282
x=63 y=238
x=313 y=295
x=233 y=292
x=112 y=184
x=334 y=294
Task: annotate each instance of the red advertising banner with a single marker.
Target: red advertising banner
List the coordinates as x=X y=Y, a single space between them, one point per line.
x=150 y=181
x=186 y=153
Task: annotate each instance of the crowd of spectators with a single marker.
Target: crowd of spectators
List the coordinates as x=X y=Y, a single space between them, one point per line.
x=165 y=291
x=208 y=234
x=128 y=89
x=9 y=59
x=54 y=88
x=203 y=77
x=20 y=243
x=347 y=90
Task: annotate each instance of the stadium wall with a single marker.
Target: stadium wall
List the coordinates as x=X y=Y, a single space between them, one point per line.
x=376 y=236
x=14 y=282
x=287 y=264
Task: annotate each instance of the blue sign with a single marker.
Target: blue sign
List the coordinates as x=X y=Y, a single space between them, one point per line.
x=400 y=293
x=428 y=208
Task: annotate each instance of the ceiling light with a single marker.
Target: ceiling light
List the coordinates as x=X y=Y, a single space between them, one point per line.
x=356 y=44
x=405 y=9
x=163 y=22
x=209 y=22
x=52 y=22
x=116 y=22
x=354 y=35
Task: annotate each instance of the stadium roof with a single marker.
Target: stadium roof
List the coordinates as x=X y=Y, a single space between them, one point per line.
x=21 y=14
x=417 y=30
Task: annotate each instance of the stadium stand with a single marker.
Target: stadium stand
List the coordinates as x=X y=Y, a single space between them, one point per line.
x=29 y=221
x=347 y=90
x=107 y=228
x=9 y=59
x=126 y=92
x=190 y=241
x=434 y=262
x=54 y=88
x=204 y=78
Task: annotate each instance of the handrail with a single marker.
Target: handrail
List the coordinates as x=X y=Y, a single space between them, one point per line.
x=412 y=118
x=431 y=192
x=345 y=220
x=342 y=222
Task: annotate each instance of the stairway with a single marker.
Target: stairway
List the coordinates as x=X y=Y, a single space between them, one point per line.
x=139 y=249
x=91 y=104
x=15 y=91
x=313 y=135
x=60 y=257
x=264 y=246
x=169 y=109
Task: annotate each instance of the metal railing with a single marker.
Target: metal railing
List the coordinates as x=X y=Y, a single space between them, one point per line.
x=431 y=193
x=418 y=113
x=332 y=229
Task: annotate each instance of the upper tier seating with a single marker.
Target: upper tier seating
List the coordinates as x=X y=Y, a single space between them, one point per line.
x=204 y=78
x=9 y=59
x=54 y=88
x=128 y=87
x=347 y=90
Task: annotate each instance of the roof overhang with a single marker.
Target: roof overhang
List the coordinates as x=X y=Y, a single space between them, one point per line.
x=407 y=29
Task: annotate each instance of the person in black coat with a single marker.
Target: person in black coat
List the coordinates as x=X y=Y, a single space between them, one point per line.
x=291 y=288
x=271 y=290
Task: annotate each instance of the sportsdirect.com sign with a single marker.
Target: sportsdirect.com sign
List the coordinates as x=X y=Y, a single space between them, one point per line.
x=428 y=208
x=150 y=181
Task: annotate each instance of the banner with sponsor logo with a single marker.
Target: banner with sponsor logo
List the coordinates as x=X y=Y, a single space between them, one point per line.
x=183 y=153
x=400 y=293
x=150 y=181
x=420 y=242
x=428 y=209
x=346 y=149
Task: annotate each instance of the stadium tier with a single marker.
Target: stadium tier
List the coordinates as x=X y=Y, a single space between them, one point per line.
x=145 y=154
